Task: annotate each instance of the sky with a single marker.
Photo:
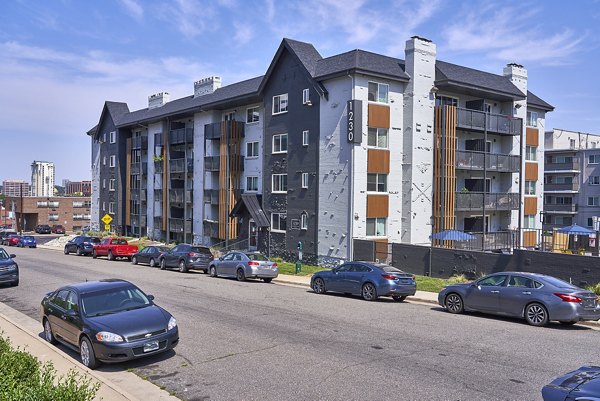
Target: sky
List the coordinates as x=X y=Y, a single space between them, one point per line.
x=60 y=60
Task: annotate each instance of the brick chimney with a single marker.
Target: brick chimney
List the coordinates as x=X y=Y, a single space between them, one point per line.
x=206 y=86
x=158 y=100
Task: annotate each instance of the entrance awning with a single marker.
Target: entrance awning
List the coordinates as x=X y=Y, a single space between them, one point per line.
x=252 y=204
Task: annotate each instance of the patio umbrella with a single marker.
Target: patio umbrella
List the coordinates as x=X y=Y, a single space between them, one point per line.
x=575 y=229
x=452 y=235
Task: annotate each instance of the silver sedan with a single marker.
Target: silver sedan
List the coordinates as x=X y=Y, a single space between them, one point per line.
x=243 y=265
x=536 y=297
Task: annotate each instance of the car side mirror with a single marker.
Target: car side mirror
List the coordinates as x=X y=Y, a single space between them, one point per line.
x=151 y=297
x=71 y=313
x=221 y=258
x=12 y=256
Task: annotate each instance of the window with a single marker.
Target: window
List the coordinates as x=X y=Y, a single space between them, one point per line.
x=111 y=184
x=252 y=184
x=306 y=97
x=104 y=161
x=111 y=207
x=252 y=115
x=593 y=201
x=280 y=143
x=530 y=187
x=376 y=182
x=278 y=222
x=305 y=135
x=304 y=221
x=529 y=221
x=279 y=183
x=378 y=92
x=113 y=161
x=572 y=143
x=229 y=116
x=595 y=180
x=376 y=227
x=104 y=183
x=378 y=138
x=531 y=153
x=590 y=222
x=53 y=217
x=113 y=136
x=251 y=149
x=104 y=137
x=104 y=206
x=492 y=281
x=446 y=101
x=280 y=104
x=304 y=180
x=594 y=144
x=532 y=117
x=594 y=159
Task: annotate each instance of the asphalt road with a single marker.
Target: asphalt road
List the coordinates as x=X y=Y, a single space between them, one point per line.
x=257 y=341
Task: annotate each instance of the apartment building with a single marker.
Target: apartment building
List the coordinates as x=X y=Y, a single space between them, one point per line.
x=571 y=179
x=322 y=151
x=71 y=212
x=77 y=188
x=15 y=188
x=42 y=178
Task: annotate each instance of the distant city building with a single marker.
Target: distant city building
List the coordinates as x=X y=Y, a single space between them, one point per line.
x=14 y=188
x=71 y=212
x=42 y=178
x=77 y=188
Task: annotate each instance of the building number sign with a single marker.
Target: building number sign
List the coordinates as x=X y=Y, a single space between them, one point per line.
x=354 y=121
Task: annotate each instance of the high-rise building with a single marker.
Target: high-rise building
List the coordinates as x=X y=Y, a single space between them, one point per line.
x=14 y=188
x=42 y=178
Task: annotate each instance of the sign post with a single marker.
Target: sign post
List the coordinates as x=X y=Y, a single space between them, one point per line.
x=299 y=261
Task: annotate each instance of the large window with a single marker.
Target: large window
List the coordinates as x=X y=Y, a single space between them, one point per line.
x=378 y=138
x=304 y=180
x=251 y=149
x=378 y=92
x=113 y=161
x=252 y=115
x=279 y=183
x=278 y=222
x=594 y=159
x=529 y=221
x=280 y=104
x=252 y=184
x=446 y=101
x=376 y=182
x=376 y=227
x=532 y=118
x=593 y=201
x=531 y=153
x=594 y=180
x=530 y=187
x=280 y=143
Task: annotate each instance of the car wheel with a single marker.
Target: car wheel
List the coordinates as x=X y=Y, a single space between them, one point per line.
x=454 y=303
x=267 y=280
x=369 y=292
x=213 y=271
x=134 y=260
x=568 y=322
x=14 y=283
x=94 y=254
x=240 y=275
x=398 y=298
x=78 y=251
x=66 y=250
x=182 y=266
x=88 y=358
x=536 y=315
x=111 y=256
x=152 y=263
x=48 y=334
x=163 y=264
x=318 y=286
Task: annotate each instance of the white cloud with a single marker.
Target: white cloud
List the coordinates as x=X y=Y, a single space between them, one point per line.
x=243 y=32
x=190 y=17
x=134 y=8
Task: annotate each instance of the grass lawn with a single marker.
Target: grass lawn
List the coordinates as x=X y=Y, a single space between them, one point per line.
x=290 y=268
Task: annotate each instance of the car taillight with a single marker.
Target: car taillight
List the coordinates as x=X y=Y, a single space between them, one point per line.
x=253 y=263
x=274 y=264
x=568 y=298
x=389 y=277
x=192 y=254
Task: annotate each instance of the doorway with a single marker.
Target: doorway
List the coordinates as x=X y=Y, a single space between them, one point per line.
x=252 y=235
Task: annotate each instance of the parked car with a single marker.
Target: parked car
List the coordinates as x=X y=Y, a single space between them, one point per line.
x=243 y=265
x=43 y=229
x=581 y=384
x=107 y=321
x=13 y=240
x=536 y=297
x=85 y=229
x=9 y=270
x=58 y=229
x=4 y=236
x=81 y=245
x=150 y=255
x=370 y=280
x=27 y=241
x=114 y=248
x=185 y=257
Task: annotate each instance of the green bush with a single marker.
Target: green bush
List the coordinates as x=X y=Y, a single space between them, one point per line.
x=594 y=288
x=458 y=279
x=24 y=377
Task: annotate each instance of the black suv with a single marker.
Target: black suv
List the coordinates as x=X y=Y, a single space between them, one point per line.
x=185 y=257
x=43 y=229
x=81 y=245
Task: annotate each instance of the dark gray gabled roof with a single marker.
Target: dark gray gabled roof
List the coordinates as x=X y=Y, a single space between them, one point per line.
x=533 y=100
x=361 y=61
x=251 y=202
x=118 y=110
x=457 y=75
x=307 y=54
x=93 y=130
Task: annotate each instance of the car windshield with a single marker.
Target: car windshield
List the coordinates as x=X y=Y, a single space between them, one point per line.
x=559 y=283
x=163 y=248
x=389 y=269
x=113 y=301
x=93 y=240
x=257 y=256
x=3 y=254
x=28 y=237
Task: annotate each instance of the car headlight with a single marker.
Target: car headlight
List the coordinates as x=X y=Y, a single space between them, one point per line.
x=11 y=267
x=108 y=337
x=172 y=323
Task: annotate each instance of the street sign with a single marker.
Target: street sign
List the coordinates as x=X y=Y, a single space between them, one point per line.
x=107 y=219
x=107 y=227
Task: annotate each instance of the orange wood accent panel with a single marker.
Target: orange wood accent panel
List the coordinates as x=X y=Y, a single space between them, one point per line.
x=379 y=116
x=530 y=205
x=229 y=186
x=127 y=185
x=165 y=186
x=531 y=171
x=378 y=161
x=381 y=250
x=529 y=238
x=532 y=136
x=378 y=205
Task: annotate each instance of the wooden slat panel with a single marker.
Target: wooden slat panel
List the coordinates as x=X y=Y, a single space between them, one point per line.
x=532 y=136
x=379 y=116
x=223 y=181
x=381 y=250
x=127 y=185
x=378 y=161
x=530 y=206
x=377 y=206
x=531 y=171
x=165 y=191
x=529 y=238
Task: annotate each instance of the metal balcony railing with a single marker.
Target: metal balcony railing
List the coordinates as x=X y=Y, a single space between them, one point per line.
x=157 y=221
x=495 y=123
x=211 y=196
x=570 y=166
x=466 y=201
x=471 y=160
x=180 y=225
x=213 y=131
x=570 y=187
x=180 y=195
x=139 y=142
x=158 y=167
x=181 y=135
x=553 y=207
x=212 y=163
x=180 y=165
x=211 y=228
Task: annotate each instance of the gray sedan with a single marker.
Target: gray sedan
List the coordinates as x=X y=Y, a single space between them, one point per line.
x=243 y=265
x=536 y=297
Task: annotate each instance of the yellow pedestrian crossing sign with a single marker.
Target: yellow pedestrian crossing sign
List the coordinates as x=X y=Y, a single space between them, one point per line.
x=107 y=219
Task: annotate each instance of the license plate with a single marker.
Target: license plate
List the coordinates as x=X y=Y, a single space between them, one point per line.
x=151 y=346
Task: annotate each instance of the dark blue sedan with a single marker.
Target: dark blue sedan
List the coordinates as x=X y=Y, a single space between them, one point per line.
x=27 y=241
x=107 y=321
x=370 y=280
x=9 y=270
x=581 y=384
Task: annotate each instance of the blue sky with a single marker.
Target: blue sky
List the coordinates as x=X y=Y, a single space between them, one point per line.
x=61 y=59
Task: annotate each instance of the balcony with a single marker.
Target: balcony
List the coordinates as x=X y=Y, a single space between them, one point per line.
x=139 y=142
x=181 y=136
x=180 y=195
x=139 y=168
x=468 y=201
x=554 y=208
x=470 y=160
x=573 y=166
x=158 y=167
x=180 y=225
x=494 y=123
x=213 y=131
x=213 y=163
x=138 y=194
x=158 y=221
x=211 y=228
x=211 y=196
x=138 y=220
x=180 y=165
x=570 y=187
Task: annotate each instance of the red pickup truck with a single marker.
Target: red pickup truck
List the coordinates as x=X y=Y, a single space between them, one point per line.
x=114 y=248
